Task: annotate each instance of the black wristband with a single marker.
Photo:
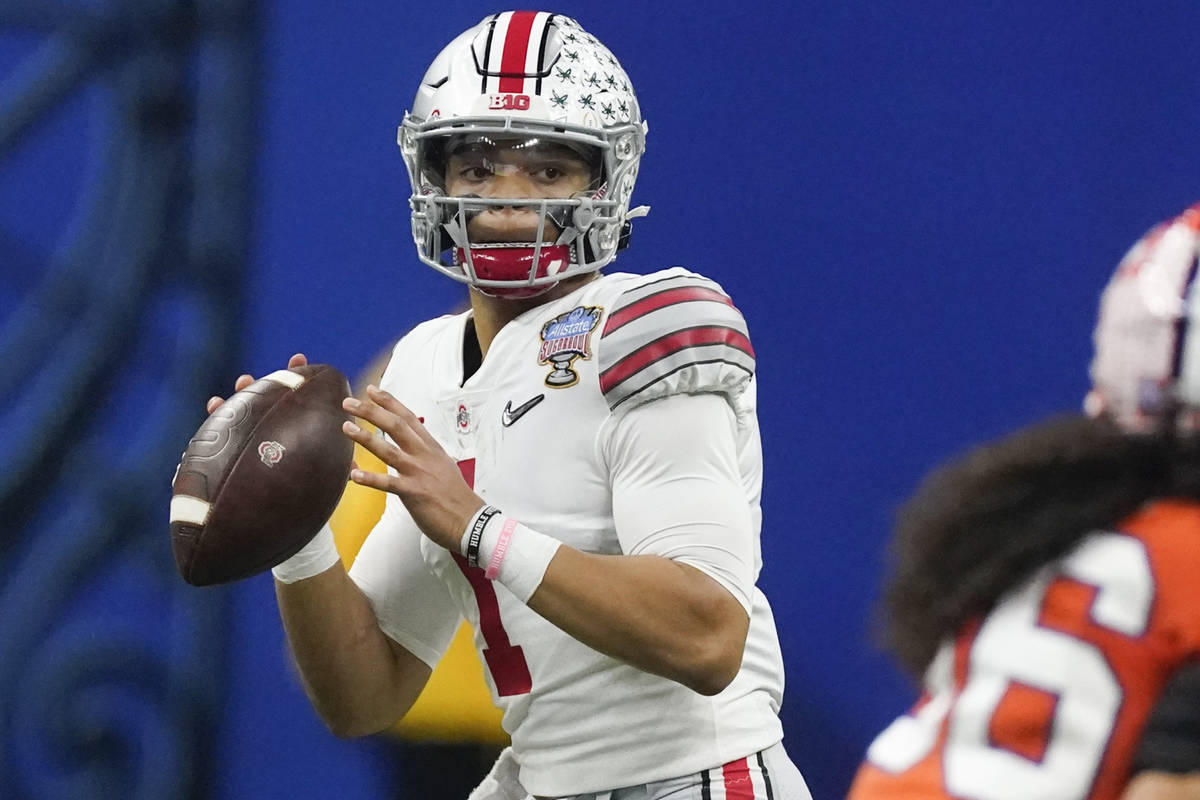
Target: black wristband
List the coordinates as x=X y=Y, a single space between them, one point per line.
x=476 y=533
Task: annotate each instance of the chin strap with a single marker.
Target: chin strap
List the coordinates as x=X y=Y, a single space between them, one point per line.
x=627 y=228
x=515 y=262
x=509 y=263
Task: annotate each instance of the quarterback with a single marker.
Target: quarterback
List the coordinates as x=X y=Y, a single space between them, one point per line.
x=574 y=463
x=1046 y=585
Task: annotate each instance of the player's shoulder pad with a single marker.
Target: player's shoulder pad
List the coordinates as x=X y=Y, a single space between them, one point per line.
x=672 y=332
x=419 y=340
x=419 y=337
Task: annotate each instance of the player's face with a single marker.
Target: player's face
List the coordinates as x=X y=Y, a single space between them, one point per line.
x=518 y=170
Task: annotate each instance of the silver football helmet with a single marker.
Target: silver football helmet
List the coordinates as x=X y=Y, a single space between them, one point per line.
x=523 y=79
x=1146 y=369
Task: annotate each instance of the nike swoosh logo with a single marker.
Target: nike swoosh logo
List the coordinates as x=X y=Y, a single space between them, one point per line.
x=511 y=414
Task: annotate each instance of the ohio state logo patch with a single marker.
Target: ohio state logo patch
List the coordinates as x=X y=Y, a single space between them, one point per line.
x=566 y=338
x=271 y=453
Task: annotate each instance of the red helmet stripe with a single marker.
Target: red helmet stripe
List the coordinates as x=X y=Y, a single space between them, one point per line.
x=516 y=49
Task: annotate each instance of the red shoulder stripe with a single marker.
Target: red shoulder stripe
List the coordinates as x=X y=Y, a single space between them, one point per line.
x=668 y=345
x=653 y=302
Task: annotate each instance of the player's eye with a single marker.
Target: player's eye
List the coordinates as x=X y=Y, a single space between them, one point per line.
x=475 y=173
x=553 y=173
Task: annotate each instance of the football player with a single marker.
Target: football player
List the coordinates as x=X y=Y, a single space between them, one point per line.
x=574 y=463
x=1046 y=586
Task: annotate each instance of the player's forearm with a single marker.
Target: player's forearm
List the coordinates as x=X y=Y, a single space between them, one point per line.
x=358 y=682
x=658 y=615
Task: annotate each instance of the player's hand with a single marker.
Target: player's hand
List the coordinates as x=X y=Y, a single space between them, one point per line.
x=428 y=481
x=244 y=380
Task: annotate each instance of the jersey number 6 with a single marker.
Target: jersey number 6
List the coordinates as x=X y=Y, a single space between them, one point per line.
x=1019 y=664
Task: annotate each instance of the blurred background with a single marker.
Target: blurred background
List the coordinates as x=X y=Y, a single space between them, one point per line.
x=915 y=204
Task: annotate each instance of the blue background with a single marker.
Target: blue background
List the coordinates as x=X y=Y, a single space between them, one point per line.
x=915 y=205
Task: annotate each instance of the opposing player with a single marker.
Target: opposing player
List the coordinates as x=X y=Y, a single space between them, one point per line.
x=1046 y=585
x=574 y=463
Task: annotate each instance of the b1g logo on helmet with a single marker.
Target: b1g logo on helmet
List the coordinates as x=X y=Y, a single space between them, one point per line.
x=508 y=102
x=566 y=338
x=271 y=453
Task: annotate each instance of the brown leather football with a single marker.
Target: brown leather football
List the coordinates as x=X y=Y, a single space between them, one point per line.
x=261 y=476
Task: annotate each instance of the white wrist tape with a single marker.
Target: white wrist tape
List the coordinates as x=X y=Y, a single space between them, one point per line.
x=314 y=558
x=515 y=556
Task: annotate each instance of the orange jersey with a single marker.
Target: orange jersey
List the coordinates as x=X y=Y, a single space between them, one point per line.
x=1047 y=697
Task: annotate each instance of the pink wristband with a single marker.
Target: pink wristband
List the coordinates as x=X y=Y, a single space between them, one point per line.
x=493 y=567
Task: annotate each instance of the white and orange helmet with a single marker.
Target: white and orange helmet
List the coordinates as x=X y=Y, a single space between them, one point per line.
x=1146 y=369
x=530 y=75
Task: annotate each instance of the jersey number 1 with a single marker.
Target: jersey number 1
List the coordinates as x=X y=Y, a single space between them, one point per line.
x=505 y=660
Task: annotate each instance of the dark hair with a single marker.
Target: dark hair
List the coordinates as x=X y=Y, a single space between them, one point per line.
x=982 y=524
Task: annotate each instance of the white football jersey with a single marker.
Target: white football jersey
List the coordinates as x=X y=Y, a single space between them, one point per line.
x=537 y=431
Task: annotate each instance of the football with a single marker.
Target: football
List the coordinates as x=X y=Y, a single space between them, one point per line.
x=261 y=476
